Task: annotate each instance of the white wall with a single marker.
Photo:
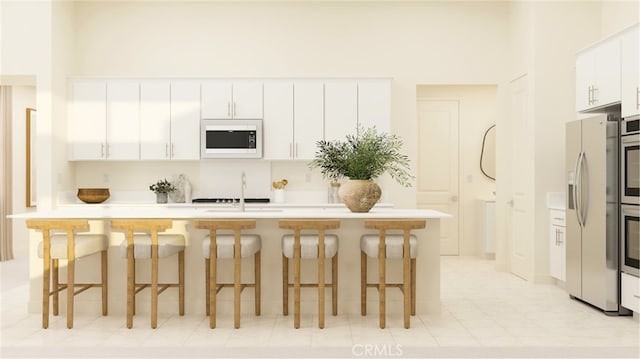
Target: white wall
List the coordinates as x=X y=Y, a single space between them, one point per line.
x=618 y=15
x=478 y=111
x=412 y=42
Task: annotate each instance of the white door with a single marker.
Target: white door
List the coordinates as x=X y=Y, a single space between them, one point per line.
x=216 y=100
x=278 y=120
x=155 y=121
x=438 y=166
x=88 y=127
x=308 y=111
x=123 y=120
x=340 y=109
x=247 y=99
x=185 y=120
x=520 y=241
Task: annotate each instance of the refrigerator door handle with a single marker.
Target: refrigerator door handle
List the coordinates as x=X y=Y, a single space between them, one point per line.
x=577 y=193
x=584 y=203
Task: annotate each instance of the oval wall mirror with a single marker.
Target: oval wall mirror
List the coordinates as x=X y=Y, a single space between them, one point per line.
x=488 y=153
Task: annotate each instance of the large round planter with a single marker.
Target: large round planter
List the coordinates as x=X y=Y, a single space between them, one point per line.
x=359 y=195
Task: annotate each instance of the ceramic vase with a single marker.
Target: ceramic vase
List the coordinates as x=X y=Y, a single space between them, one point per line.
x=359 y=195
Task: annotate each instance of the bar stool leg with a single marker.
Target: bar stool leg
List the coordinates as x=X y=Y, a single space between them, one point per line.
x=213 y=284
x=382 y=252
x=154 y=281
x=104 y=269
x=236 y=281
x=71 y=271
x=363 y=283
x=257 y=281
x=207 y=278
x=406 y=282
x=285 y=285
x=131 y=275
x=413 y=286
x=133 y=298
x=296 y=280
x=334 y=285
x=56 y=285
x=46 y=271
x=181 y=283
x=321 y=254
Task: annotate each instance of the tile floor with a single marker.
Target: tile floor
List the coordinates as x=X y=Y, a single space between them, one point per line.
x=485 y=314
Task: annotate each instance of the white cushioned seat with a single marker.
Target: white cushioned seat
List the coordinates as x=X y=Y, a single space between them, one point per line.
x=394 y=242
x=309 y=245
x=250 y=244
x=85 y=244
x=168 y=245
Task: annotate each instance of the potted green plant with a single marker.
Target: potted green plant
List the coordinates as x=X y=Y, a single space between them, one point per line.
x=162 y=189
x=362 y=158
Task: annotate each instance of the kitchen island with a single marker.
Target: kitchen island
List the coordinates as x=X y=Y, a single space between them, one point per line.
x=99 y=216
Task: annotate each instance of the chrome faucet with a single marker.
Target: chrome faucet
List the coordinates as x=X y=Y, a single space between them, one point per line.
x=243 y=185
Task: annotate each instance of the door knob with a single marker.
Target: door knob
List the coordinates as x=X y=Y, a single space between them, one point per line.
x=454 y=198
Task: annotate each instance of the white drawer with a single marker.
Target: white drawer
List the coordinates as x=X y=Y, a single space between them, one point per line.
x=631 y=292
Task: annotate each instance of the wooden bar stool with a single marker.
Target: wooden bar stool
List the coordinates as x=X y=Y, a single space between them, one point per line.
x=150 y=246
x=318 y=246
x=383 y=246
x=69 y=246
x=236 y=247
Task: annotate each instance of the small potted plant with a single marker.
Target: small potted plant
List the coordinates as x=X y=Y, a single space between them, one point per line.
x=162 y=189
x=362 y=158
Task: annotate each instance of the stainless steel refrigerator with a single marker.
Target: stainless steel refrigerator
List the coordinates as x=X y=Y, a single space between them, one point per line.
x=592 y=212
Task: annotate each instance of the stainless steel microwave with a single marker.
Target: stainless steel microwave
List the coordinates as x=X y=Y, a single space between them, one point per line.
x=231 y=138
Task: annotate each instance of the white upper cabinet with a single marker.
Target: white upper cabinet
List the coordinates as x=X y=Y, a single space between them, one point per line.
x=340 y=109
x=123 y=120
x=308 y=117
x=598 y=75
x=185 y=120
x=241 y=99
x=278 y=120
x=630 y=72
x=374 y=104
x=155 y=120
x=87 y=127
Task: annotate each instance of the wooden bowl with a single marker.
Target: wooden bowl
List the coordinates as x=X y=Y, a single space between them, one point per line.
x=93 y=195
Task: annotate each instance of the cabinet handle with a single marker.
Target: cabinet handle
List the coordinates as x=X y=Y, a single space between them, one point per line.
x=589 y=95
x=102 y=150
x=637 y=97
x=595 y=95
x=234 y=109
x=556 y=236
x=558 y=218
x=173 y=150
x=636 y=296
x=166 y=150
x=228 y=108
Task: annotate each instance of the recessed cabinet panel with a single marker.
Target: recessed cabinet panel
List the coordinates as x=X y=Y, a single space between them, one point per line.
x=88 y=120
x=185 y=120
x=123 y=125
x=557 y=251
x=598 y=75
x=307 y=113
x=247 y=99
x=216 y=99
x=630 y=72
x=155 y=120
x=374 y=104
x=278 y=120
x=241 y=99
x=340 y=109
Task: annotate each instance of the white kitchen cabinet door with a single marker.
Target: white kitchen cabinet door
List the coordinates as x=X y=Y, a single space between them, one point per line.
x=155 y=120
x=598 y=75
x=88 y=120
x=340 y=109
x=307 y=118
x=557 y=250
x=278 y=120
x=185 y=120
x=247 y=99
x=585 y=75
x=123 y=120
x=630 y=90
x=374 y=104
x=217 y=99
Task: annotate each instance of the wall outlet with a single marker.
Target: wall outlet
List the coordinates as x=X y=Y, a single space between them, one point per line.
x=105 y=178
